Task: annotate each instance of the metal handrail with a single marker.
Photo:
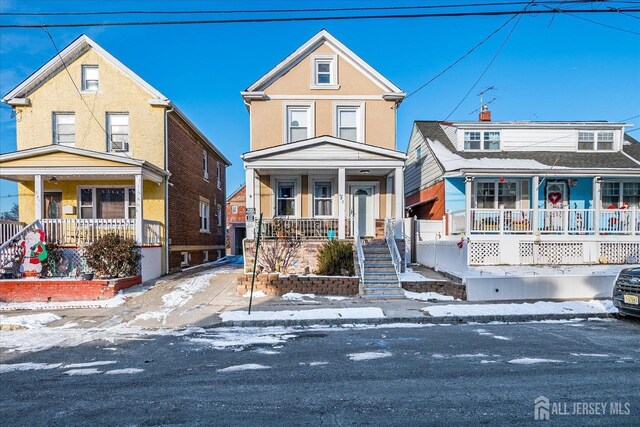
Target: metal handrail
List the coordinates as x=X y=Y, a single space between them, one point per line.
x=393 y=246
x=360 y=251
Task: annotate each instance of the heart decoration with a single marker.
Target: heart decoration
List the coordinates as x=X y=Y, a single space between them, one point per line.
x=555 y=197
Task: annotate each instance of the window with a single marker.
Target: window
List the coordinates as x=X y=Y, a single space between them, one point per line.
x=494 y=195
x=234 y=209
x=286 y=203
x=132 y=203
x=348 y=123
x=204 y=216
x=485 y=195
x=64 y=128
x=324 y=72
x=418 y=153
x=472 y=140
x=491 y=140
x=107 y=203
x=323 y=199
x=205 y=256
x=86 y=203
x=118 y=131
x=507 y=194
x=605 y=141
x=218 y=177
x=219 y=215
x=205 y=169
x=298 y=123
x=585 y=141
x=184 y=259
x=90 y=78
x=618 y=194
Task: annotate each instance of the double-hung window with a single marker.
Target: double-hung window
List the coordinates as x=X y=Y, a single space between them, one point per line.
x=218 y=176
x=599 y=141
x=205 y=165
x=90 y=78
x=482 y=140
x=491 y=140
x=324 y=72
x=323 y=203
x=64 y=128
x=605 y=141
x=496 y=194
x=348 y=123
x=234 y=209
x=286 y=195
x=298 y=122
x=472 y=140
x=586 y=140
x=219 y=215
x=86 y=203
x=619 y=194
x=118 y=131
x=204 y=216
x=131 y=205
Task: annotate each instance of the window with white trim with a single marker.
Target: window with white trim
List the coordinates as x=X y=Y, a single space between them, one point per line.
x=605 y=141
x=598 y=141
x=184 y=259
x=118 y=132
x=205 y=163
x=323 y=72
x=219 y=215
x=64 y=129
x=491 y=140
x=616 y=195
x=204 y=216
x=205 y=256
x=347 y=123
x=107 y=203
x=286 y=199
x=234 y=209
x=86 y=203
x=90 y=78
x=218 y=175
x=131 y=203
x=482 y=140
x=472 y=140
x=298 y=121
x=496 y=194
x=323 y=199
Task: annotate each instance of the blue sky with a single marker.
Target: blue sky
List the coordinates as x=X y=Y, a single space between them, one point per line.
x=551 y=69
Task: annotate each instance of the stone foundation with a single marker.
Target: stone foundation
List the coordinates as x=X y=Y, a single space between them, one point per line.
x=455 y=290
x=277 y=285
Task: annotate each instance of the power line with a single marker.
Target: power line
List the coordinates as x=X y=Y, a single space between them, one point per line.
x=602 y=24
x=322 y=18
x=630 y=118
x=328 y=9
x=490 y=63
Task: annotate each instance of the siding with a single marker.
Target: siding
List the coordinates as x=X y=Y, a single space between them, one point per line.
x=420 y=174
x=454 y=194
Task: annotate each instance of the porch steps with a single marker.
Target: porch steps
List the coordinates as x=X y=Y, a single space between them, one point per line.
x=380 y=278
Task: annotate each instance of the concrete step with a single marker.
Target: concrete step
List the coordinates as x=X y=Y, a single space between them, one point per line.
x=382 y=283
x=375 y=249
x=372 y=257
x=382 y=293
x=378 y=275
x=383 y=270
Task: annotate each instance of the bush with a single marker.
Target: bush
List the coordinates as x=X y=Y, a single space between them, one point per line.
x=334 y=258
x=56 y=264
x=113 y=256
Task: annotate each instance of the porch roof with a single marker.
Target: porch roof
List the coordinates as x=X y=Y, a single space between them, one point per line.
x=62 y=161
x=324 y=152
x=561 y=162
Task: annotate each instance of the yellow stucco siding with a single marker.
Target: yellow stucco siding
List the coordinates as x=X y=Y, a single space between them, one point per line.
x=117 y=93
x=60 y=159
x=265 y=195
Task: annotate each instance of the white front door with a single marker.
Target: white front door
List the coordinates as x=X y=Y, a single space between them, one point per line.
x=555 y=201
x=362 y=206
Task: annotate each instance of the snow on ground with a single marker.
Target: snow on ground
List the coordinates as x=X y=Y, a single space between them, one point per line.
x=320 y=313
x=30 y=321
x=413 y=276
x=368 y=355
x=590 y=354
x=256 y=294
x=330 y=298
x=12 y=367
x=124 y=371
x=462 y=356
x=221 y=338
x=484 y=332
x=427 y=296
x=116 y=301
x=532 y=361
x=536 y=270
x=89 y=364
x=293 y=296
x=87 y=371
x=246 y=367
x=313 y=363
x=540 y=307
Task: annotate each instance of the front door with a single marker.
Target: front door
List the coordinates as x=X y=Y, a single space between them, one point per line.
x=53 y=204
x=555 y=202
x=362 y=206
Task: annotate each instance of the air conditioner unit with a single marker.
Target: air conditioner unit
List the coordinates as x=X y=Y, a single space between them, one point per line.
x=120 y=146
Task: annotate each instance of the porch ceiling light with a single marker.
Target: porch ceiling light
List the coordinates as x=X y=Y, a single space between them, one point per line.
x=53 y=180
x=365 y=171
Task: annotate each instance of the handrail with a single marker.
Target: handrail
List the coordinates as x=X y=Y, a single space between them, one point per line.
x=393 y=246
x=20 y=234
x=360 y=251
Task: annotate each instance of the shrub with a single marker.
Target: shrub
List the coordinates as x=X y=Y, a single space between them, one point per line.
x=334 y=258
x=113 y=256
x=276 y=256
x=56 y=263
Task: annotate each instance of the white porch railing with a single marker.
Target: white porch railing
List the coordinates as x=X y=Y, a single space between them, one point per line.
x=304 y=228
x=8 y=229
x=151 y=232
x=80 y=232
x=360 y=252
x=390 y=237
x=548 y=221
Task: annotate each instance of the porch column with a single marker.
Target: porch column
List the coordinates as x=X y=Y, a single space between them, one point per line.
x=250 y=181
x=39 y=197
x=341 y=203
x=535 y=184
x=596 y=204
x=139 y=198
x=398 y=180
x=467 y=204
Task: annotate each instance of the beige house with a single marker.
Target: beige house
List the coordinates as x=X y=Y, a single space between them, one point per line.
x=323 y=158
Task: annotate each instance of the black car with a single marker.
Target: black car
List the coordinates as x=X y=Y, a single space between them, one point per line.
x=626 y=292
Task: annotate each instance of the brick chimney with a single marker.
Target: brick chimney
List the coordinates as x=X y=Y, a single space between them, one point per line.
x=485 y=114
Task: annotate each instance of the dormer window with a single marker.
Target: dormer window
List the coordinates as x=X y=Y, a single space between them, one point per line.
x=324 y=72
x=598 y=141
x=90 y=78
x=477 y=140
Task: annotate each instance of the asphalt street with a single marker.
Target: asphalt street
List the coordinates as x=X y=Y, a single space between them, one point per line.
x=432 y=375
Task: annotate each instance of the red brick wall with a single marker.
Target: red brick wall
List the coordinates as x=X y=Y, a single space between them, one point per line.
x=187 y=177
x=239 y=200
x=432 y=210
x=25 y=290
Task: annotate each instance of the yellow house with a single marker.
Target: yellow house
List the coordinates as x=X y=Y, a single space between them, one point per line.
x=323 y=158
x=97 y=151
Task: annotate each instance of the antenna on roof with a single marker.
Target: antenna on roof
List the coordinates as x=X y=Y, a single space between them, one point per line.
x=481 y=105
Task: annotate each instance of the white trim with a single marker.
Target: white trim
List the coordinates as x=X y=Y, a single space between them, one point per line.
x=360 y=118
x=376 y=199
x=311 y=45
x=94 y=199
x=205 y=165
x=297 y=188
x=311 y=190
x=326 y=164
x=204 y=214
x=332 y=59
x=496 y=182
x=331 y=97
x=311 y=118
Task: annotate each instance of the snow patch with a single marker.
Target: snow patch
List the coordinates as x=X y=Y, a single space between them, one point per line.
x=314 y=314
x=313 y=363
x=246 y=367
x=256 y=294
x=28 y=366
x=124 y=371
x=428 y=296
x=89 y=364
x=293 y=296
x=540 y=307
x=226 y=338
x=116 y=301
x=368 y=355
x=88 y=371
x=590 y=354
x=30 y=321
x=532 y=361
x=413 y=276
x=330 y=298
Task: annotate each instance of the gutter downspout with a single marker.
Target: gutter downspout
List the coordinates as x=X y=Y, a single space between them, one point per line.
x=166 y=189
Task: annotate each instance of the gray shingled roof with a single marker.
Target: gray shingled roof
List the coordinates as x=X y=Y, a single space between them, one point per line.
x=575 y=160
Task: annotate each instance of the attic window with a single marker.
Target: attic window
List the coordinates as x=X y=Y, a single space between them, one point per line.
x=599 y=141
x=90 y=78
x=488 y=140
x=324 y=72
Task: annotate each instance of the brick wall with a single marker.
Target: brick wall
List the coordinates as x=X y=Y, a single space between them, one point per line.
x=455 y=290
x=238 y=200
x=188 y=185
x=278 y=285
x=25 y=290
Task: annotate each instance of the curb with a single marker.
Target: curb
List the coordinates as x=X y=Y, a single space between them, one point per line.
x=449 y=320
